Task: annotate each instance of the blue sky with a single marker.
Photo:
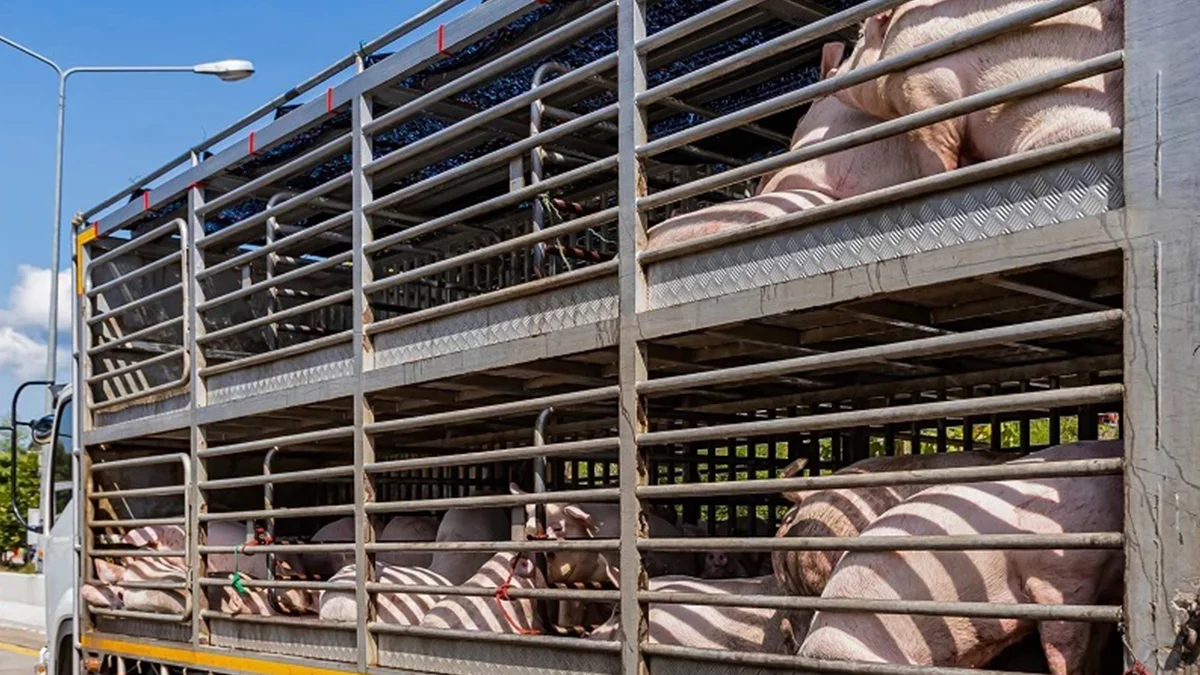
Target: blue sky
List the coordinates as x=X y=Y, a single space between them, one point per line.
x=120 y=127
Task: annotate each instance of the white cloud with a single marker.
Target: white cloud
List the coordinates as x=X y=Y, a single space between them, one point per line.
x=29 y=300
x=23 y=356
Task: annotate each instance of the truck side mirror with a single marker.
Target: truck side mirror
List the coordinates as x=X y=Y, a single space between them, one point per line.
x=42 y=430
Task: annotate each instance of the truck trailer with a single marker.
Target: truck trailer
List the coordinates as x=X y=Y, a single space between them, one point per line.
x=529 y=274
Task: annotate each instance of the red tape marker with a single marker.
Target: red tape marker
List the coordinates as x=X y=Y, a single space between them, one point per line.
x=441 y=41
x=146 y=200
x=252 y=142
x=329 y=100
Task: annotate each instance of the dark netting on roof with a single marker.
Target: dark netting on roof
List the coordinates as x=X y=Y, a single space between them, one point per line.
x=579 y=53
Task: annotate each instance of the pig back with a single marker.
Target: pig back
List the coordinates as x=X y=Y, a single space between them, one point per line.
x=847 y=512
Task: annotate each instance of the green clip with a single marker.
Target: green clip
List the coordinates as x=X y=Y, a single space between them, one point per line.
x=236 y=580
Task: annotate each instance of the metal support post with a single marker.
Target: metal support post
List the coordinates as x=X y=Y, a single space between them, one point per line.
x=364 y=414
x=631 y=182
x=198 y=397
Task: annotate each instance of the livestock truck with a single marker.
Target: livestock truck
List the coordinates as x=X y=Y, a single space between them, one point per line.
x=513 y=263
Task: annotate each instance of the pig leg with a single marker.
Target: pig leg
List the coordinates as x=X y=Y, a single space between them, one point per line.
x=1065 y=642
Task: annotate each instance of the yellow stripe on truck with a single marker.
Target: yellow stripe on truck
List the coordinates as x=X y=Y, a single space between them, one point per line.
x=85 y=237
x=206 y=659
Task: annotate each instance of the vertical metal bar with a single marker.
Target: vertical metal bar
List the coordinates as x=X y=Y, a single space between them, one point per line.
x=199 y=397
x=364 y=414
x=1162 y=249
x=631 y=185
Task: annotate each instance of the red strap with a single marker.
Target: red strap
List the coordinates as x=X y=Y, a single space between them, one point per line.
x=1138 y=668
x=252 y=142
x=502 y=597
x=145 y=200
x=329 y=100
x=441 y=41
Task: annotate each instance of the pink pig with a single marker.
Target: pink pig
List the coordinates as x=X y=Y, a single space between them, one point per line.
x=1080 y=109
x=1049 y=577
x=813 y=183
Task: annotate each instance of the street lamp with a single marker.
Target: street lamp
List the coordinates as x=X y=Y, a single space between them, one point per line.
x=229 y=70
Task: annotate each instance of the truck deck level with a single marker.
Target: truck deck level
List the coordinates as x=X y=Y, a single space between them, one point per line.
x=429 y=281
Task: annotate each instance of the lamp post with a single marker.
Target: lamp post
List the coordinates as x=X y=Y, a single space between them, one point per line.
x=229 y=70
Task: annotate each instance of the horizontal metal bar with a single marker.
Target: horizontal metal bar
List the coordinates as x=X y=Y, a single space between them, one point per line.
x=490 y=69
x=138 y=522
x=554 y=642
x=277 y=280
x=175 y=384
x=1024 y=471
x=144 y=616
x=274 y=478
x=298 y=512
x=259 y=219
x=137 y=553
x=928 y=185
x=283 y=242
x=310 y=621
x=495 y=157
x=156 y=585
x=165 y=261
x=966 y=105
x=507 y=199
x=699 y=21
x=149 y=460
x=277 y=354
x=807 y=665
x=177 y=225
x=1055 y=398
x=566 y=449
x=506 y=246
x=976 y=610
x=974 y=542
x=493 y=411
x=336 y=433
x=342 y=297
x=217 y=582
x=569 y=496
x=776 y=47
x=856 y=76
x=134 y=304
x=497 y=546
x=957 y=342
x=485 y=592
x=137 y=334
x=258 y=549
x=483 y=117
x=312 y=157
x=163 y=491
x=543 y=285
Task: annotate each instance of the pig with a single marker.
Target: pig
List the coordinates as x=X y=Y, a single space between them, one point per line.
x=251 y=563
x=813 y=183
x=404 y=609
x=735 y=565
x=102 y=596
x=408 y=529
x=1041 y=506
x=468 y=525
x=259 y=601
x=157 y=537
x=490 y=614
x=846 y=512
x=1086 y=107
x=157 y=570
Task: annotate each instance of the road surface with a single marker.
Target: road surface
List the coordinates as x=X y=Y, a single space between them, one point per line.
x=18 y=651
x=15 y=660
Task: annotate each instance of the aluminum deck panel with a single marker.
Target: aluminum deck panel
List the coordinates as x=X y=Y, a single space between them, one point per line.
x=1061 y=192
x=451 y=656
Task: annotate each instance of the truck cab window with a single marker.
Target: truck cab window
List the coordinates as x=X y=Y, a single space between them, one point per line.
x=60 y=459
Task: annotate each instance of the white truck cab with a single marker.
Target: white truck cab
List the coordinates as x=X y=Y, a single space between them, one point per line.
x=56 y=536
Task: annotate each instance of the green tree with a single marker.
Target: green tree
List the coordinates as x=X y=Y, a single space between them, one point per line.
x=28 y=489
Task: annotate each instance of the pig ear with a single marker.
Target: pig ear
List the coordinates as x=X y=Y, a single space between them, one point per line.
x=515 y=489
x=523 y=567
x=831 y=58
x=612 y=573
x=797 y=466
x=574 y=511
